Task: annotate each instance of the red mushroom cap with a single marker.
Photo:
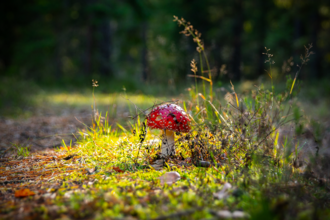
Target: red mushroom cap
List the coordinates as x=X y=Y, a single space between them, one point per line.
x=170 y=117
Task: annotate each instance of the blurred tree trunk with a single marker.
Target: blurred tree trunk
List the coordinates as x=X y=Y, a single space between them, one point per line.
x=297 y=48
x=144 y=54
x=217 y=59
x=105 y=47
x=6 y=46
x=58 y=61
x=89 y=41
x=9 y=24
x=143 y=12
x=261 y=27
x=316 y=71
x=89 y=49
x=59 y=25
x=237 y=32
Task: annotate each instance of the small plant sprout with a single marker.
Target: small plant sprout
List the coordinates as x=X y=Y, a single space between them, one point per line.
x=196 y=35
x=170 y=118
x=304 y=60
x=22 y=151
x=94 y=84
x=194 y=69
x=270 y=61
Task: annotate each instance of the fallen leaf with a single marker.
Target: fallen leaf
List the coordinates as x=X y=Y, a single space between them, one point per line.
x=170 y=177
x=117 y=169
x=23 y=193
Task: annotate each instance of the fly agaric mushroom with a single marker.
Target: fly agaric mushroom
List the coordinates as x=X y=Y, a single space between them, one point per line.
x=170 y=118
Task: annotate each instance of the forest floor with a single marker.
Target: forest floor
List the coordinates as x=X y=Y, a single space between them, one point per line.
x=44 y=177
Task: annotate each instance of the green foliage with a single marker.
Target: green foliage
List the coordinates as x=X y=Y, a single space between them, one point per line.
x=22 y=151
x=318 y=130
x=297 y=118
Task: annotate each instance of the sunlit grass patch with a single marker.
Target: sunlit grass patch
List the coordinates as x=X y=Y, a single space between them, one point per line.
x=119 y=106
x=140 y=193
x=79 y=99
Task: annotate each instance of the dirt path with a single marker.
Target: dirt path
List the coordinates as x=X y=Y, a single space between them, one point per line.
x=41 y=132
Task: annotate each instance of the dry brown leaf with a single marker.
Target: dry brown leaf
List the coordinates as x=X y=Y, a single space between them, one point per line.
x=117 y=169
x=23 y=193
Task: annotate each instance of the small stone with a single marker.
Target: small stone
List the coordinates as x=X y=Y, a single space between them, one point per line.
x=239 y=214
x=170 y=177
x=223 y=214
x=223 y=193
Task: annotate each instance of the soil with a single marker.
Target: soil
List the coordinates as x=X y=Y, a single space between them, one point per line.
x=42 y=131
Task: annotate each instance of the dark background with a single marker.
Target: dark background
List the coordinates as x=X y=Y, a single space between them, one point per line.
x=71 y=41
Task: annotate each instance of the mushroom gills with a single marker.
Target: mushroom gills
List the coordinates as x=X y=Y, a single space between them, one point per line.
x=168 y=143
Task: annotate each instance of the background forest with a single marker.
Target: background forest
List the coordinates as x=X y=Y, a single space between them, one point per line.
x=70 y=41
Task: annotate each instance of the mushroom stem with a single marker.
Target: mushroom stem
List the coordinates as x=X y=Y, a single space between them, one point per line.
x=168 y=143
